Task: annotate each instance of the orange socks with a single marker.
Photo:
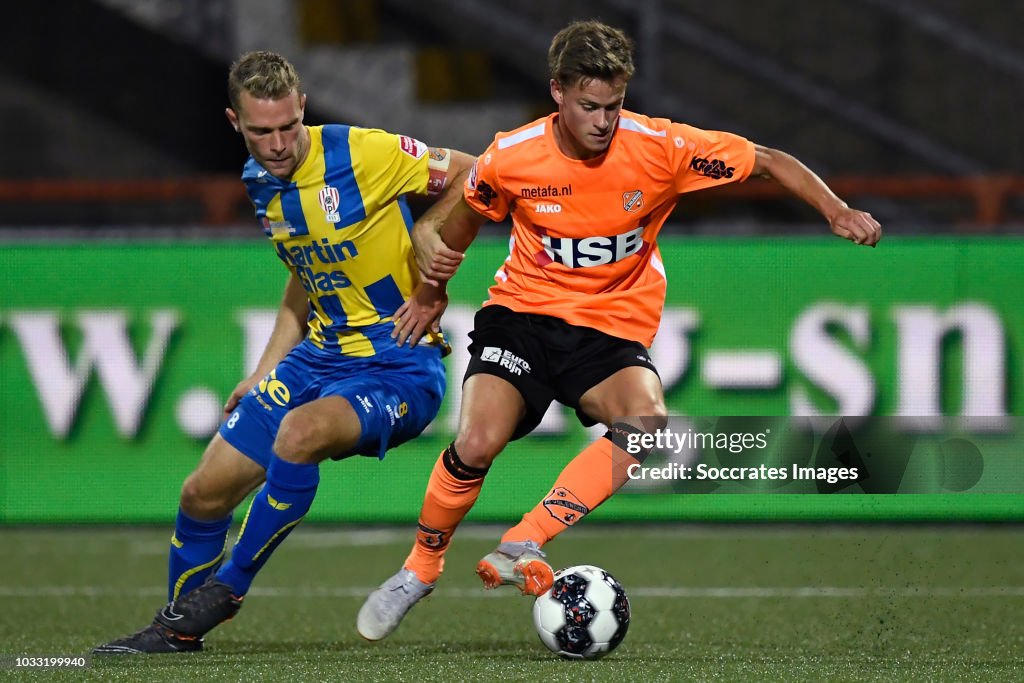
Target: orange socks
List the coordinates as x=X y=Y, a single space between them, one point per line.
x=587 y=481
x=451 y=491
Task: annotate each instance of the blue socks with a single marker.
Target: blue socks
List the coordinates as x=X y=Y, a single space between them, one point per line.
x=276 y=509
x=197 y=549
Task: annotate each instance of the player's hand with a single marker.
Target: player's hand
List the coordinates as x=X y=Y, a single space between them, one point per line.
x=857 y=226
x=241 y=390
x=422 y=311
x=436 y=261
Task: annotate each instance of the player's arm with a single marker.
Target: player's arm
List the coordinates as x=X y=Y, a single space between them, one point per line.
x=449 y=231
x=423 y=309
x=448 y=171
x=290 y=328
x=462 y=225
x=857 y=226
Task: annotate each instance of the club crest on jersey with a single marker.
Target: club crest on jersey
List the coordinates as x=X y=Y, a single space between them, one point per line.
x=330 y=200
x=632 y=201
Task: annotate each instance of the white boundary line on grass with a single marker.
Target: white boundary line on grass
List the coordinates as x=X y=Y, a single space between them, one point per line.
x=730 y=592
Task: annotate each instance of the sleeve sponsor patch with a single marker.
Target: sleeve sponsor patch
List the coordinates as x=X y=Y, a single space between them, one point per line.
x=485 y=193
x=412 y=146
x=712 y=168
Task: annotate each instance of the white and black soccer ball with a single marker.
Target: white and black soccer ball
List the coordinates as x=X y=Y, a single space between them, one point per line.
x=585 y=615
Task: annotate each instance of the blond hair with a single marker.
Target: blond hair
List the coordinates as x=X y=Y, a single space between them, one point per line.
x=262 y=74
x=585 y=50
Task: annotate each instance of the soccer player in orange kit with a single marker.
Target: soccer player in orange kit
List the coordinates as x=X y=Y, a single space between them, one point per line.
x=576 y=303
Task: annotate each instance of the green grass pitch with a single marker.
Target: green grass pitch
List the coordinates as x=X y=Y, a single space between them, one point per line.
x=710 y=603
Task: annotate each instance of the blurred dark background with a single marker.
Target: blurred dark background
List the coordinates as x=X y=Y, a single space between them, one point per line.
x=113 y=109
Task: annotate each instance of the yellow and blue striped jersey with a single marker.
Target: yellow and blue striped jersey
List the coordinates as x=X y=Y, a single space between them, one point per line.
x=341 y=225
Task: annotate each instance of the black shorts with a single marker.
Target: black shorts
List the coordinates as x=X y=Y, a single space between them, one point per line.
x=547 y=359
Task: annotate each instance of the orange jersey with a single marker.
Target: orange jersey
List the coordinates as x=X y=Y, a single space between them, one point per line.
x=584 y=233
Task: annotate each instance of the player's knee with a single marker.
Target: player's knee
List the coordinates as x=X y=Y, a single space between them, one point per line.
x=201 y=501
x=479 y=446
x=650 y=411
x=296 y=439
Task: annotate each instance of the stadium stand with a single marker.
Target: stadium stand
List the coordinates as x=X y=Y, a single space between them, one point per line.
x=921 y=125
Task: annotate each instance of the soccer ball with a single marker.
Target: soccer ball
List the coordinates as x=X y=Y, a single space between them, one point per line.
x=585 y=615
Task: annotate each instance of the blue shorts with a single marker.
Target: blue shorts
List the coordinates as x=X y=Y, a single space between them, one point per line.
x=395 y=393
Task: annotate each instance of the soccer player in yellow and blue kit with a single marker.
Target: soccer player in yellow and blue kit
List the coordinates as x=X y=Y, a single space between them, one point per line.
x=331 y=382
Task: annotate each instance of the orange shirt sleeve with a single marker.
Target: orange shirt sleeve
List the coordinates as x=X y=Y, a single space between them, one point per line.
x=483 y=190
x=705 y=158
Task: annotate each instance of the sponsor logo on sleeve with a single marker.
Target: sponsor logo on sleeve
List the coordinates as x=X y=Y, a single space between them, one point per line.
x=485 y=193
x=412 y=146
x=712 y=168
